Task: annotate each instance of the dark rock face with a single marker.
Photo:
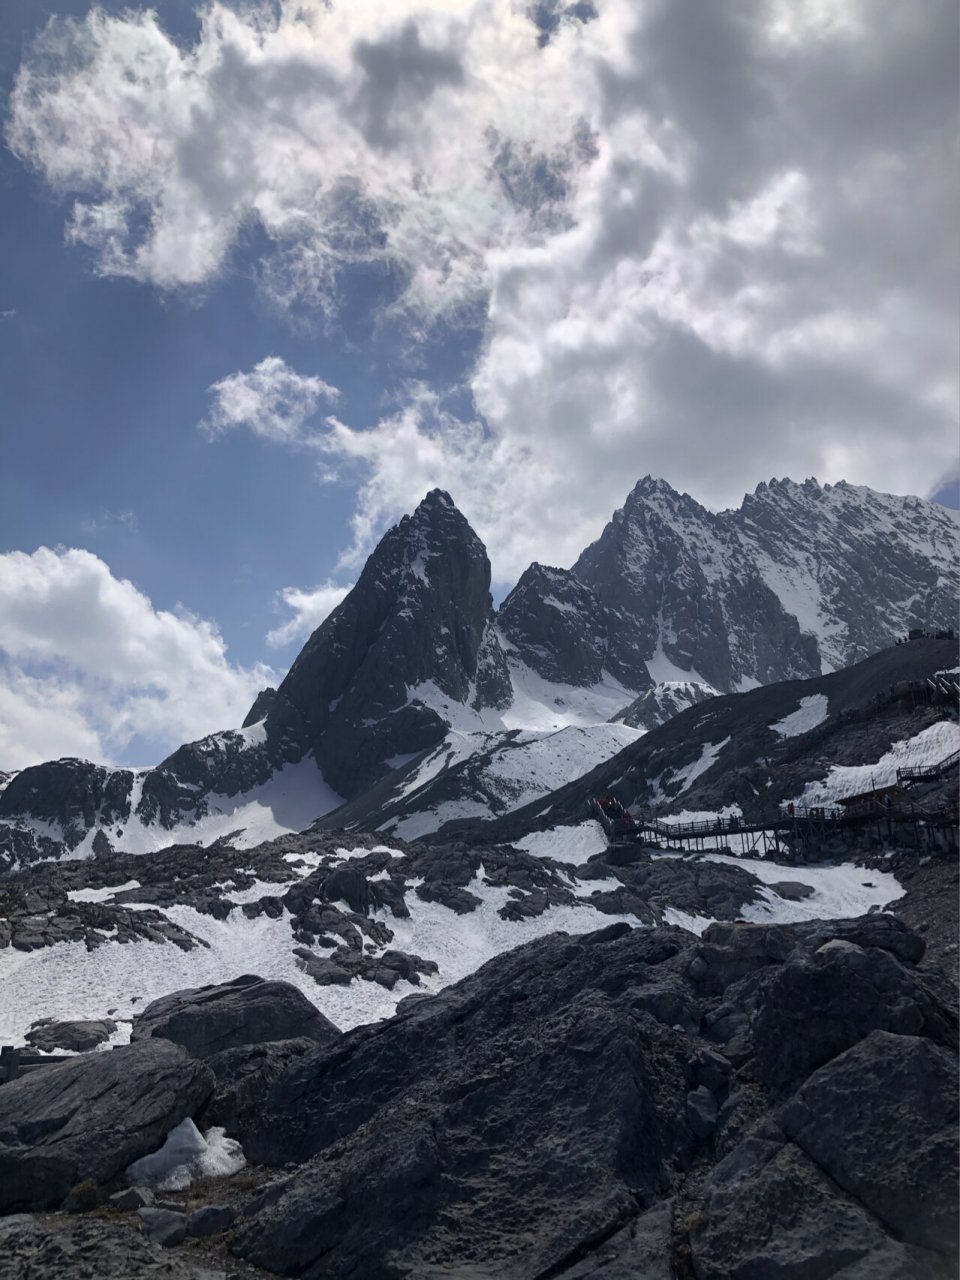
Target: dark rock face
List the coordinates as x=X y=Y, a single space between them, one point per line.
x=90 y=1118
x=769 y=1211
x=71 y=795
x=807 y=1013
x=224 y=763
x=248 y=1010
x=538 y=1119
x=244 y=1074
x=261 y=705
x=557 y=626
x=87 y=1248
x=592 y=1142
x=851 y=1115
x=413 y=630
x=49 y=1035
x=75 y=793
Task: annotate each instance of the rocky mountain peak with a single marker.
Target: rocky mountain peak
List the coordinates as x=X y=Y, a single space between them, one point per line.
x=556 y=625
x=368 y=683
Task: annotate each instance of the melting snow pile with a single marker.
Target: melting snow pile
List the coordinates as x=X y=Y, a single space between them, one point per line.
x=186 y=1155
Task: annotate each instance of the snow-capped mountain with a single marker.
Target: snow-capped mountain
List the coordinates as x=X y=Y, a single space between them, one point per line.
x=413 y=671
x=373 y=685
x=801 y=579
x=856 y=568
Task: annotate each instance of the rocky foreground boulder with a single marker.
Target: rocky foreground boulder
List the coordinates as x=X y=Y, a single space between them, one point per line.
x=633 y=1102
x=765 y=1100
x=91 y=1117
x=248 y=1010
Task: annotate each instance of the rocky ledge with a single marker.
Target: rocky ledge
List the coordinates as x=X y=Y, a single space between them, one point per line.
x=761 y=1101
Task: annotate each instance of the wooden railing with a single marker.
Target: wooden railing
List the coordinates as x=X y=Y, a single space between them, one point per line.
x=18 y=1062
x=924 y=772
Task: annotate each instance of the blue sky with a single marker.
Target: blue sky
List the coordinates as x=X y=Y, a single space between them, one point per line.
x=270 y=272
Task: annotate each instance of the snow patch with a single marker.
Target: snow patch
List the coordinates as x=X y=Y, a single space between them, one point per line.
x=929 y=747
x=688 y=775
x=103 y=894
x=811 y=712
x=566 y=844
x=663 y=670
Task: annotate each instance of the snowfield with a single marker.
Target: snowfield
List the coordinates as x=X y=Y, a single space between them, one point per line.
x=120 y=979
x=566 y=844
x=929 y=747
x=67 y=981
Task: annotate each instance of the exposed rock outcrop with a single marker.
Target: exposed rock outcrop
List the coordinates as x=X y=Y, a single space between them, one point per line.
x=87 y=1248
x=542 y=1116
x=91 y=1117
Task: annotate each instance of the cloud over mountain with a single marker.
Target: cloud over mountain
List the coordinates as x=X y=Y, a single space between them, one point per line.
x=711 y=242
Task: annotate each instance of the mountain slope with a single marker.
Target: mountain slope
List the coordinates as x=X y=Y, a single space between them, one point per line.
x=756 y=749
x=414 y=629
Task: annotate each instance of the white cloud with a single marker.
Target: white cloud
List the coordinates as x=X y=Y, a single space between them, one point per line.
x=365 y=132
x=272 y=400
x=712 y=242
x=310 y=608
x=87 y=664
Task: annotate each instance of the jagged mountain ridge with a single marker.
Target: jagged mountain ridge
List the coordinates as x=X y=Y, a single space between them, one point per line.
x=800 y=579
x=670 y=604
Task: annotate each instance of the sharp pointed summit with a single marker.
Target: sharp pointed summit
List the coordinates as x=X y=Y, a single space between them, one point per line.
x=411 y=633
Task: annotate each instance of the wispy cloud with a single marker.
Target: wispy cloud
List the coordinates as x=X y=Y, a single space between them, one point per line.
x=106 y=520
x=310 y=607
x=272 y=400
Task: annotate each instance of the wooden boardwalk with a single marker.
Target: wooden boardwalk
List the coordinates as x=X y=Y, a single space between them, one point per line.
x=797 y=827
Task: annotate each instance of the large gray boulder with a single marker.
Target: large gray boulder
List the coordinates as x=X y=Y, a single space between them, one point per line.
x=79 y=1036
x=248 y=1010
x=769 y=1211
x=881 y=1120
x=91 y=1117
x=811 y=1011
x=518 y=1148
